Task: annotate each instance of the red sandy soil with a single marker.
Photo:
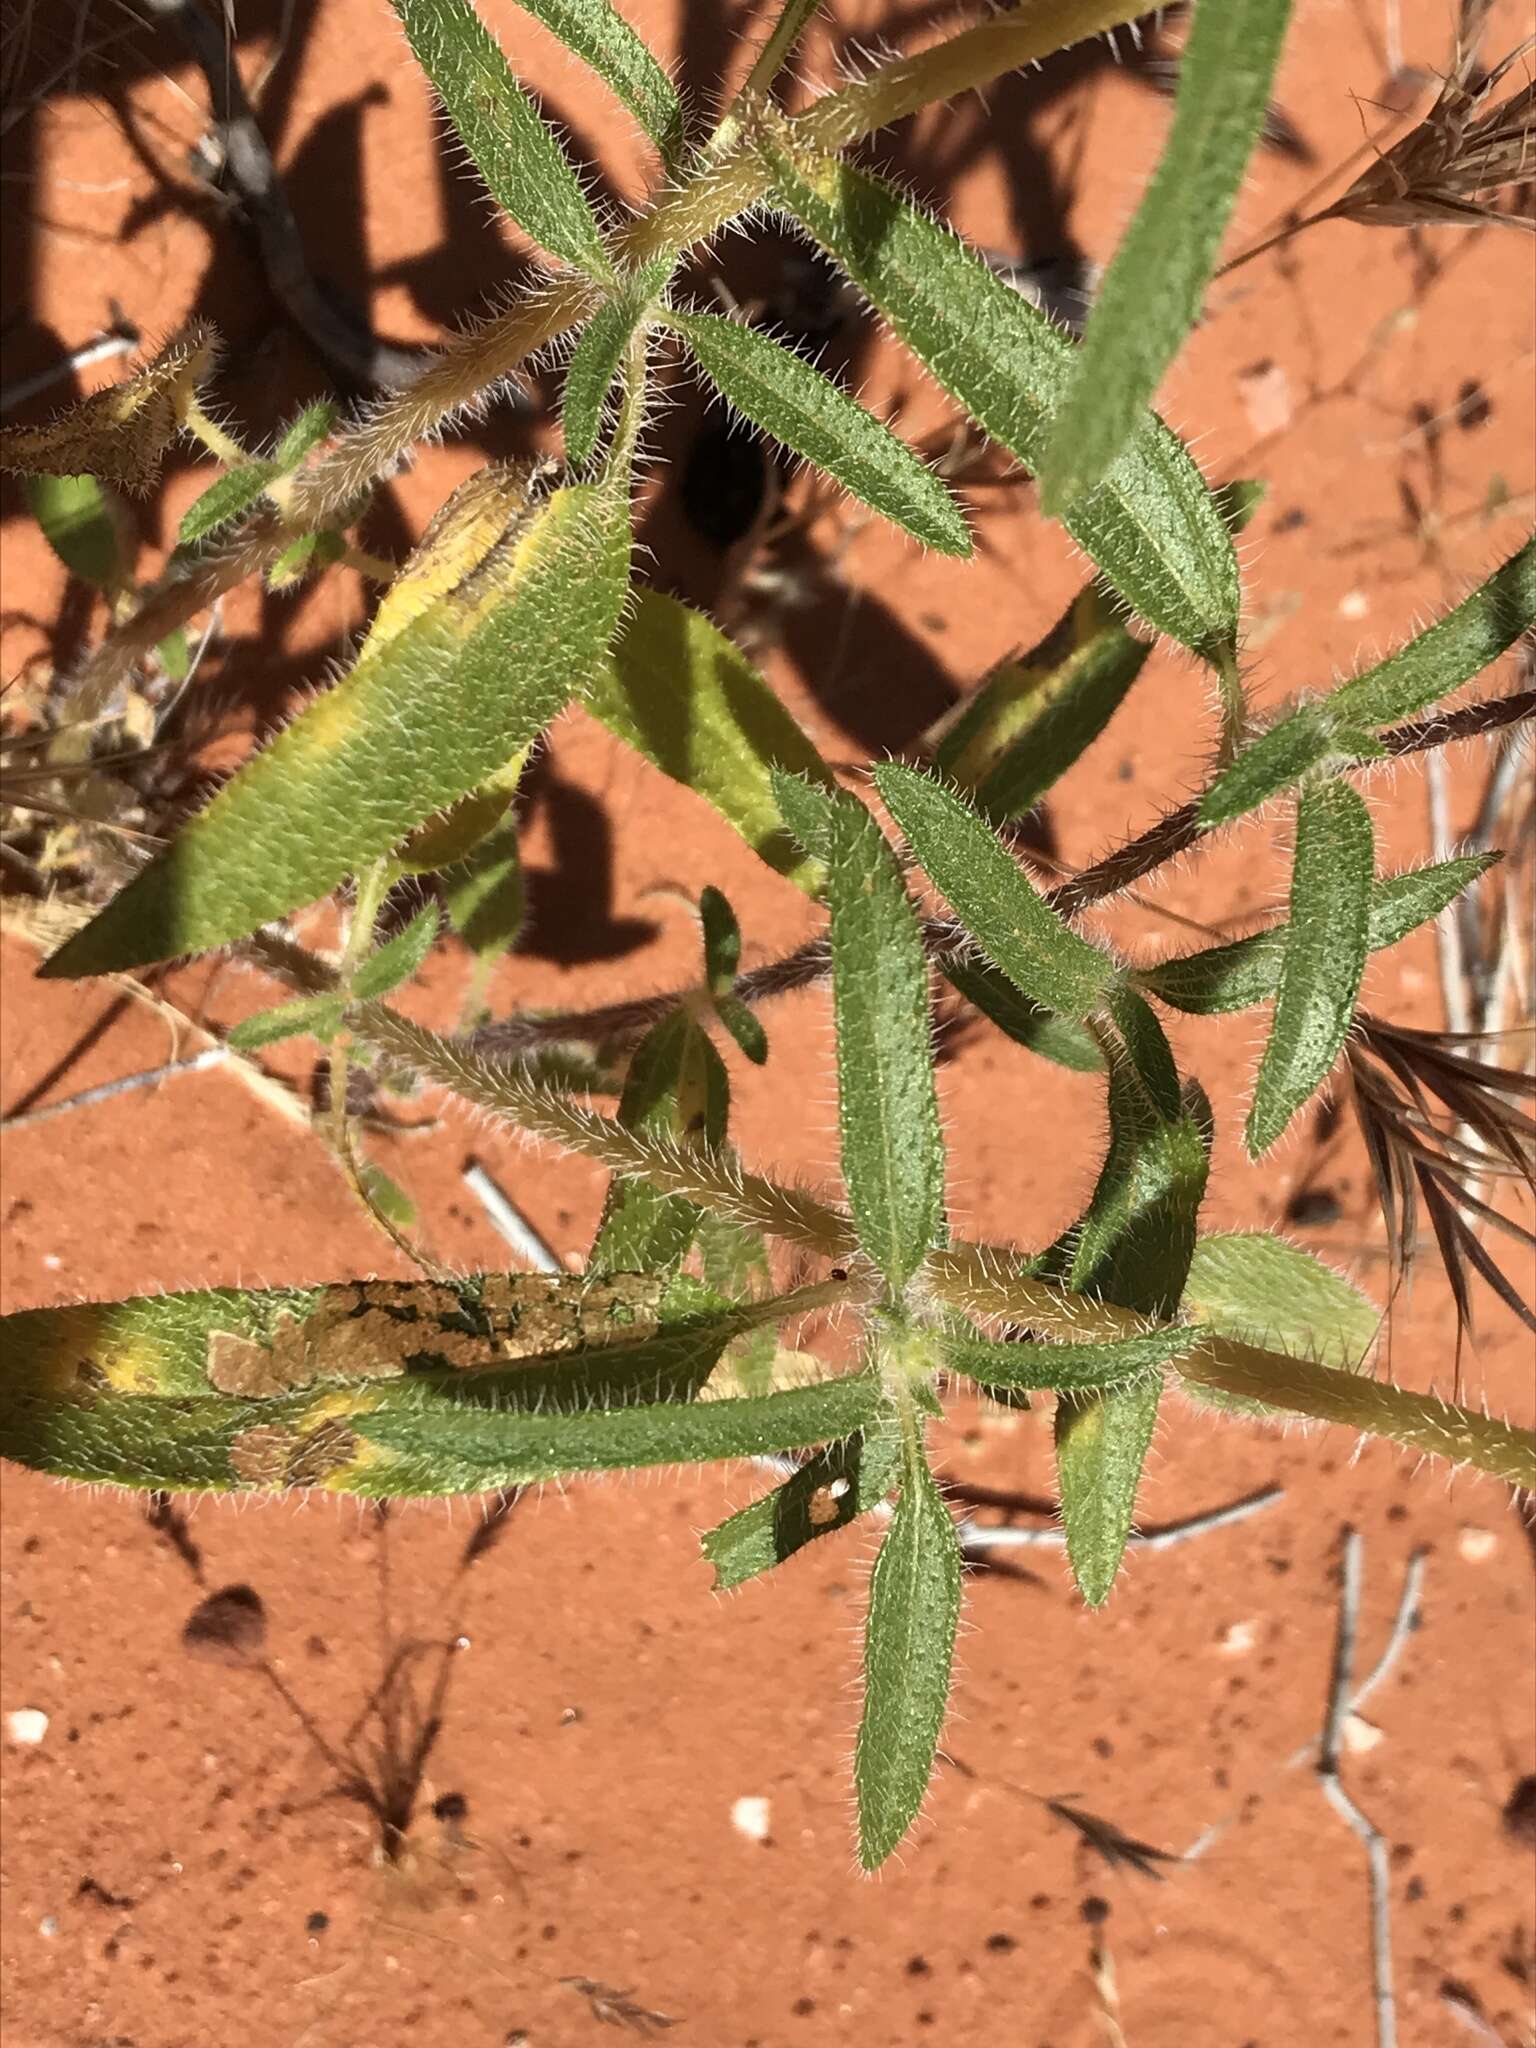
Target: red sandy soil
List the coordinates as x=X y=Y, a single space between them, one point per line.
x=180 y=1866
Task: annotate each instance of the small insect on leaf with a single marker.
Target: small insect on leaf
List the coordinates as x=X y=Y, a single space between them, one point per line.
x=1326 y=943
x=118 y=435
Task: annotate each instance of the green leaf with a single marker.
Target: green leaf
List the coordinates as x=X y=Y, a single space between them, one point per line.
x=1428 y=667
x=386 y=1195
x=1054 y=1038
x=1147 y=1049
x=807 y=809
x=828 y=1492
x=225 y=499
x=174 y=654
x=722 y=940
x=1326 y=942
x=744 y=1027
x=1034 y=716
x=602 y=38
x=1236 y=976
x=1257 y=1289
x=909 y=1644
x=304 y=435
x=425 y=717
x=398 y=959
x=888 y=1112
x=1152 y=291
x=484 y=896
x=1066 y=1366
x=780 y=392
x=593 y=371
x=677 y=1088
x=1132 y=1248
x=85 y=526
x=1151 y=526
x=525 y=169
x=998 y=907
x=681 y=694
x=312 y=1017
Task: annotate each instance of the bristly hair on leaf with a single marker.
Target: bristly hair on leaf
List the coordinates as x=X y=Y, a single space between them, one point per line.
x=1437 y=1122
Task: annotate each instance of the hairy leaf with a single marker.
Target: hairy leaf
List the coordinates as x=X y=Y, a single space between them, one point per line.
x=721 y=934
x=225 y=499
x=888 y=1112
x=1034 y=716
x=1003 y=913
x=1428 y=667
x=1152 y=291
x=1236 y=976
x=593 y=372
x=1262 y=1291
x=311 y=1017
x=1326 y=942
x=828 y=1492
x=681 y=694
x=484 y=895
x=781 y=393
x=526 y=171
x=1147 y=1049
x=909 y=1643
x=602 y=38
x=1054 y=1038
x=420 y=721
x=304 y=435
x=1132 y=1248
x=1151 y=526
x=1066 y=1366
x=398 y=958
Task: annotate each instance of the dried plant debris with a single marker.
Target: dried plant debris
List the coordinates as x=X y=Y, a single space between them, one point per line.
x=611 y=2008
x=1438 y=1121
x=1118 y=1849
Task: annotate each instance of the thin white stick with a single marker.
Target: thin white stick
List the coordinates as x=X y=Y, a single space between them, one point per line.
x=101 y=350
x=199 y=1063
x=510 y=1222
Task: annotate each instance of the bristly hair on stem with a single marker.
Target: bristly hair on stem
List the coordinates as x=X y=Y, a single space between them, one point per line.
x=1437 y=1122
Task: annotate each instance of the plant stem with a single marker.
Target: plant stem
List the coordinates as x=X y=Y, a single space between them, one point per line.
x=372 y=885
x=213 y=436
x=793 y=18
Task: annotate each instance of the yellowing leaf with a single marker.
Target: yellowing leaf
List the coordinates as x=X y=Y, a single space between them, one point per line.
x=118 y=435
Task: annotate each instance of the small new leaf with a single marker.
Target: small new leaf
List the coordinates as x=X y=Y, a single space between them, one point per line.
x=1066 y=1367
x=602 y=38
x=1326 y=942
x=780 y=392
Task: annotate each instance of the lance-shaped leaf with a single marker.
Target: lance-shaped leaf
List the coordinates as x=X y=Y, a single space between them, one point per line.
x=676 y=1089
x=1326 y=942
x=679 y=692
x=1258 y=1289
x=86 y=526
x=526 y=171
x=1132 y=1248
x=1034 y=715
x=1151 y=526
x=602 y=38
x=423 y=718
x=780 y=392
x=118 y=435
x=722 y=959
x=322 y=1016
x=1066 y=1367
x=888 y=1112
x=225 y=499
x=1008 y=918
x=484 y=894
x=1152 y=291
x=828 y=1492
x=1147 y=1049
x=1427 y=668
x=1058 y=1039
x=1236 y=976
x=909 y=1645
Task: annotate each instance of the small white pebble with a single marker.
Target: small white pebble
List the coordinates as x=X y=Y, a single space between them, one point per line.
x=26 y=1726
x=752 y=1817
x=48 y=1926
x=1476 y=1545
x=1354 y=604
x=1238 y=1640
x=52 y=1261
x=1359 y=1734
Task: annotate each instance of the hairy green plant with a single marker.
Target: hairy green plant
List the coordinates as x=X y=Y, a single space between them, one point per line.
x=520 y=600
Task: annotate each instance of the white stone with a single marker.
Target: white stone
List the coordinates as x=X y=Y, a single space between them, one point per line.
x=26 y=1726
x=752 y=1818
x=1359 y=1734
x=1239 y=1639
x=1476 y=1545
